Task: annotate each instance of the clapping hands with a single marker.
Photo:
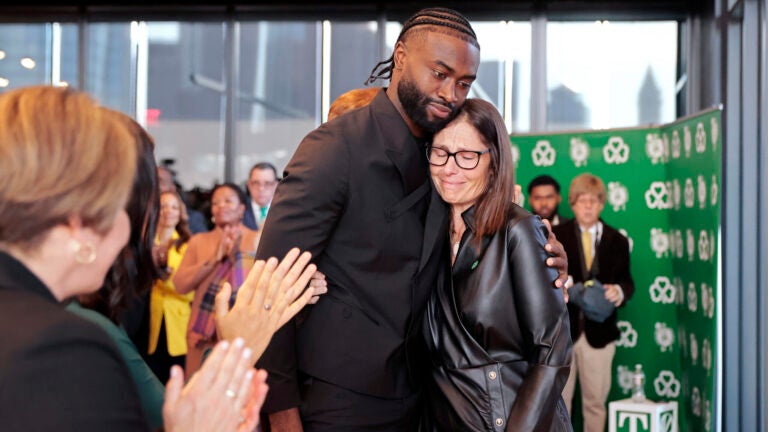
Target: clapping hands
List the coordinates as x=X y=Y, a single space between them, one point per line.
x=271 y=295
x=226 y=394
x=230 y=241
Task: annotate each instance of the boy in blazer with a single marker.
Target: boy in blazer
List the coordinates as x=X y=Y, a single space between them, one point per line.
x=595 y=251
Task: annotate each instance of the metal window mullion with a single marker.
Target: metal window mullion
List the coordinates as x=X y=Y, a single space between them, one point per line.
x=142 y=73
x=232 y=78
x=381 y=35
x=693 y=45
x=319 y=65
x=55 y=59
x=732 y=230
x=82 y=53
x=325 y=74
x=134 y=56
x=750 y=177
x=508 y=78
x=763 y=211
x=538 y=73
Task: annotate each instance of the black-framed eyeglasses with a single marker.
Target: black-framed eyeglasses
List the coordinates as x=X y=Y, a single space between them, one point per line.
x=465 y=159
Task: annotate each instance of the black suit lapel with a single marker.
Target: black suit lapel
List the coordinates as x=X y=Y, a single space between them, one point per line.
x=411 y=167
x=406 y=152
x=570 y=236
x=604 y=248
x=435 y=226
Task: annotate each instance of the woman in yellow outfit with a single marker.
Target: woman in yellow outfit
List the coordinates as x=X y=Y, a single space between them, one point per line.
x=169 y=311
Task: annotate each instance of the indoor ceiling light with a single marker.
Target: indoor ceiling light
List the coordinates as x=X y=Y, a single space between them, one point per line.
x=27 y=63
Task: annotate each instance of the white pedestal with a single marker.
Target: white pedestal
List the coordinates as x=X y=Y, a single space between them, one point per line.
x=628 y=416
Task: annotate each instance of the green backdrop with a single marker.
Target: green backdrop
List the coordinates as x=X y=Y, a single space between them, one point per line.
x=663 y=193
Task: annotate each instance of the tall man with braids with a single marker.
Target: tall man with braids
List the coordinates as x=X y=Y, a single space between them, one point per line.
x=357 y=194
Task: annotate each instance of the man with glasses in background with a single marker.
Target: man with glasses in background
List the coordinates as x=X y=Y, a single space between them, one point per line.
x=262 y=182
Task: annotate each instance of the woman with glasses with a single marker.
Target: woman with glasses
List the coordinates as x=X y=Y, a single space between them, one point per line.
x=496 y=328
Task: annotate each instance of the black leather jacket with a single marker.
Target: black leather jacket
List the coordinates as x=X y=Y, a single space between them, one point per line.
x=498 y=333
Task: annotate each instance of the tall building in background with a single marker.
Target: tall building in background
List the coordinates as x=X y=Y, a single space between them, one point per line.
x=649 y=100
x=566 y=109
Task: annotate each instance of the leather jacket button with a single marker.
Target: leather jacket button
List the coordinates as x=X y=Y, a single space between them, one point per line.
x=346 y=313
x=492 y=375
x=499 y=422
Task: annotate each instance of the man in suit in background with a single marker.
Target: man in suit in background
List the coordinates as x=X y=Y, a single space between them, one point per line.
x=595 y=251
x=262 y=182
x=544 y=198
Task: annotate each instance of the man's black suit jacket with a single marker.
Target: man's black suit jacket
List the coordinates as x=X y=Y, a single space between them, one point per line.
x=612 y=262
x=250 y=219
x=357 y=195
x=57 y=371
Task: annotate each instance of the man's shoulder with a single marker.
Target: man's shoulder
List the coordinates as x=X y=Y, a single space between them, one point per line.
x=609 y=229
x=357 y=122
x=371 y=123
x=336 y=134
x=563 y=227
x=611 y=233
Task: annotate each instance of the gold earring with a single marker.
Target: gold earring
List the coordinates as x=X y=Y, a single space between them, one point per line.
x=85 y=253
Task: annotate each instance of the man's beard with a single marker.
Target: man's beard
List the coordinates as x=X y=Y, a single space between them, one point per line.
x=553 y=214
x=415 y=103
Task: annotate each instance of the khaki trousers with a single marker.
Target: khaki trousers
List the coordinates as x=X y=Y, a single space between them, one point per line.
x=594 y=367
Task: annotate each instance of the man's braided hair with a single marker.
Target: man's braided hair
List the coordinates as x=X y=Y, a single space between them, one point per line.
x=447 y=20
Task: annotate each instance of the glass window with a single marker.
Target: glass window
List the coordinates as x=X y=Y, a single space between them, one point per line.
x=354 y=52
x=34 y=54
x=610 y=74
x=24 y=55
x=68 y=48
x=493 y=40
x=279 y=91
x=185 y=94
x=504 y=75
x=108 y=70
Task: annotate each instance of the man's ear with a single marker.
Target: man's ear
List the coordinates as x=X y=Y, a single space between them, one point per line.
x=400 y=54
